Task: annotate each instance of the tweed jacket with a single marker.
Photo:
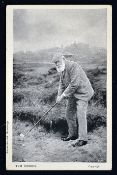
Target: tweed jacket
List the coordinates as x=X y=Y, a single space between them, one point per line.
x=74 y=82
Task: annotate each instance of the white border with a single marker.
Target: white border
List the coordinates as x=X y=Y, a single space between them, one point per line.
x=9 y=94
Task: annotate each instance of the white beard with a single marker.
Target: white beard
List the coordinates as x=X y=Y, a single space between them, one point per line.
x=61 y=68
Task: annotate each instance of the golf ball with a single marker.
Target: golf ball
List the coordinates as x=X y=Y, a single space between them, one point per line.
x=21 y=135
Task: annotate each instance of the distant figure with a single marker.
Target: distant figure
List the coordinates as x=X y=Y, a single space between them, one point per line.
x=76 y=87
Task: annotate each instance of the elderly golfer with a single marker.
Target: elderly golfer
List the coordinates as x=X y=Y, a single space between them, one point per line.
x=76 y=87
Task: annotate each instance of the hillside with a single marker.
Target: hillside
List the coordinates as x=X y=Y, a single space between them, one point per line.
x=81 y=52
x=35 y=85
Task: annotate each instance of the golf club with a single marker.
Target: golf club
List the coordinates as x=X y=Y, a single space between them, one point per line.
x=23 y=135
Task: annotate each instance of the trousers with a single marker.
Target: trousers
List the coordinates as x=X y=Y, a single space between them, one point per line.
x=76 y=116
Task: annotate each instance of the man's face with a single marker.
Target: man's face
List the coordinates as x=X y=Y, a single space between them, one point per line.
x=60 y=65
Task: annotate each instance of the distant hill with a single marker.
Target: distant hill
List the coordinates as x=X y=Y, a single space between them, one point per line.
x=81 y=52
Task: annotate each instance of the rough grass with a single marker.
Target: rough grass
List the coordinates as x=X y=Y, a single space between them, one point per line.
x=35 y=91
x=42 y=146
x=55 y=119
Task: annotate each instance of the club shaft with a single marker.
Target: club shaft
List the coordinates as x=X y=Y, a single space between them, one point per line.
x=40 y=119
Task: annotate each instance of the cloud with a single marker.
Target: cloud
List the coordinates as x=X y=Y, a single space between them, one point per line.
x=38 y=29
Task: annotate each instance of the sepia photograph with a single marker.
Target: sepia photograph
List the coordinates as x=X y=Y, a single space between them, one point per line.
x=58 y=86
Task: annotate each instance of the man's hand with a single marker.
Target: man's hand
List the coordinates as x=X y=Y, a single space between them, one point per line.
x=60 y=98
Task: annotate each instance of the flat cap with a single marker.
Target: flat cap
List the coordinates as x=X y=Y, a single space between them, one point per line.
x=57 y=56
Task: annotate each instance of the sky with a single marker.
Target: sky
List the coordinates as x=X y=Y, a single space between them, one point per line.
x=36 y=29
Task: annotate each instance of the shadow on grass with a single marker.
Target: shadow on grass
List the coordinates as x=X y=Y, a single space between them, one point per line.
x=59 y=124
